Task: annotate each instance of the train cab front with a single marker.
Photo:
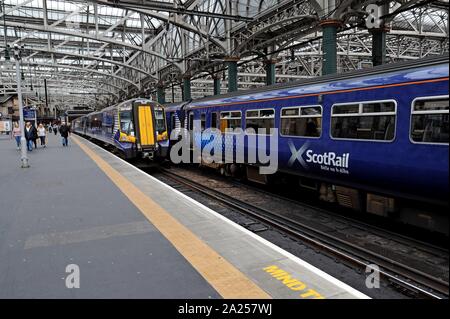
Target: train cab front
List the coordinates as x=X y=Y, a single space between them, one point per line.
x=151 y=130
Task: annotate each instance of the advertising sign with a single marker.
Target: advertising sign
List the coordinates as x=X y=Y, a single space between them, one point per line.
x=5 y=126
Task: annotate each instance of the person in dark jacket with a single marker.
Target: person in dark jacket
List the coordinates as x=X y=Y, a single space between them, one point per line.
x=29 y=135
x=35 y=135
x=64 y=130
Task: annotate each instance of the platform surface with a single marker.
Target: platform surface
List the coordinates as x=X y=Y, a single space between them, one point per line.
x=130 y=235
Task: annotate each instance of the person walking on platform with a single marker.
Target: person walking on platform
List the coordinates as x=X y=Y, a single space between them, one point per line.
x=64 y=130
x=35 y=135
x=29 y=136
x=55 y=129
x=17 y=134
x=42 y=133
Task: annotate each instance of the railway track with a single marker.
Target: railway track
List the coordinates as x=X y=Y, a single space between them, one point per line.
x=417 y=269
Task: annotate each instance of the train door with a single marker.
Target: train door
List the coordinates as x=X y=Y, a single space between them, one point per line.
x=144 y=125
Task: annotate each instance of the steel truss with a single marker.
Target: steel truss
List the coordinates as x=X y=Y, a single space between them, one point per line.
x=99 y=52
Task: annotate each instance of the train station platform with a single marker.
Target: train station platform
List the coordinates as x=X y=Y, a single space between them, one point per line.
x=130 y=236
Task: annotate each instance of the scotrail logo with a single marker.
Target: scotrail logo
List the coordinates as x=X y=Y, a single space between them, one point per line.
x=328 y=161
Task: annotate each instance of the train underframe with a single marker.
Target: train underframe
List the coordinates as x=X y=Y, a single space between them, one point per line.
x=432 y=217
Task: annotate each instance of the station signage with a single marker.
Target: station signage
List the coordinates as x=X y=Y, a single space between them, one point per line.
x=29 y=114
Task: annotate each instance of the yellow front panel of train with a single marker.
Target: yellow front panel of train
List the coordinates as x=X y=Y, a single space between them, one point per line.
x=146 y=126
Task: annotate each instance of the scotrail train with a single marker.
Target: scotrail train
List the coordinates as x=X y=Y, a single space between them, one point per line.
x=134 y=128
x=366 y=140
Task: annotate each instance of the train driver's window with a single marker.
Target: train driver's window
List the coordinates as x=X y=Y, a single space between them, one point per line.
x=260 y=121
x=160 y=121
x=305 y=121
x=230 y=120
x=430 y=120
x=364 y=121
x=126 y=125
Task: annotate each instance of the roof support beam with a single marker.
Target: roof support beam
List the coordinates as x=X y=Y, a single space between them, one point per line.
x=65 y=66
x=83 y=35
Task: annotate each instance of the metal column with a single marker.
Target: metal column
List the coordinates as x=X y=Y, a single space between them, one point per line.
x=231 y=63
x=378 y=46
x=161 y=94
x=270 y=71
x=23 y=141
x=379 y=38
x=186 y=88
x=329 y=38
x=217 y=84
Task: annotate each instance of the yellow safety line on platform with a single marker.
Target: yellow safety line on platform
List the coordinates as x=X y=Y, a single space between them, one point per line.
x=226 y=279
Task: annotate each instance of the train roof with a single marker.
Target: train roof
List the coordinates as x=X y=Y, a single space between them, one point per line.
x=378 y=76
x=391 y=73
x=117 y=105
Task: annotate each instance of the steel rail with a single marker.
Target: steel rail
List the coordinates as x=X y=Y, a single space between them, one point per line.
x=416 y=282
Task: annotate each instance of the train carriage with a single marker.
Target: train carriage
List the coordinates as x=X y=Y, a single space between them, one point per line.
x=134 y=128
x=363 y=139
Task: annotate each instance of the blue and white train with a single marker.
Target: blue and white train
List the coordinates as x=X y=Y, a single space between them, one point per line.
x=134 y=129
x=367 y=140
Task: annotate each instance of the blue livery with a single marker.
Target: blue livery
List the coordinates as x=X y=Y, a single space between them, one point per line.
x=384 y=131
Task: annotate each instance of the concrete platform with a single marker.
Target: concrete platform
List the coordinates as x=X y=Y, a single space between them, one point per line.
x=130 y=235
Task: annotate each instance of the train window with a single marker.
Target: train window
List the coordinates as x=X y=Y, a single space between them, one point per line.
x=373 y=121
x=126 y=124
x=378 y=107
x=97 y=122
x=346 y=109
x=230 y=120
x=252 y=114
x=290 y=112
x=203 y=121
x=214 y=121
x=430 y=120
x=260 y=120
x=160 y=123
x=305 y=121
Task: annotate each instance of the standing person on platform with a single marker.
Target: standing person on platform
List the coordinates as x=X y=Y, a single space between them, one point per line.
x=42 y=133
x=17 y=134
x=55 y=129
x=64 y=130
x=29 y=136
x=35 y=135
